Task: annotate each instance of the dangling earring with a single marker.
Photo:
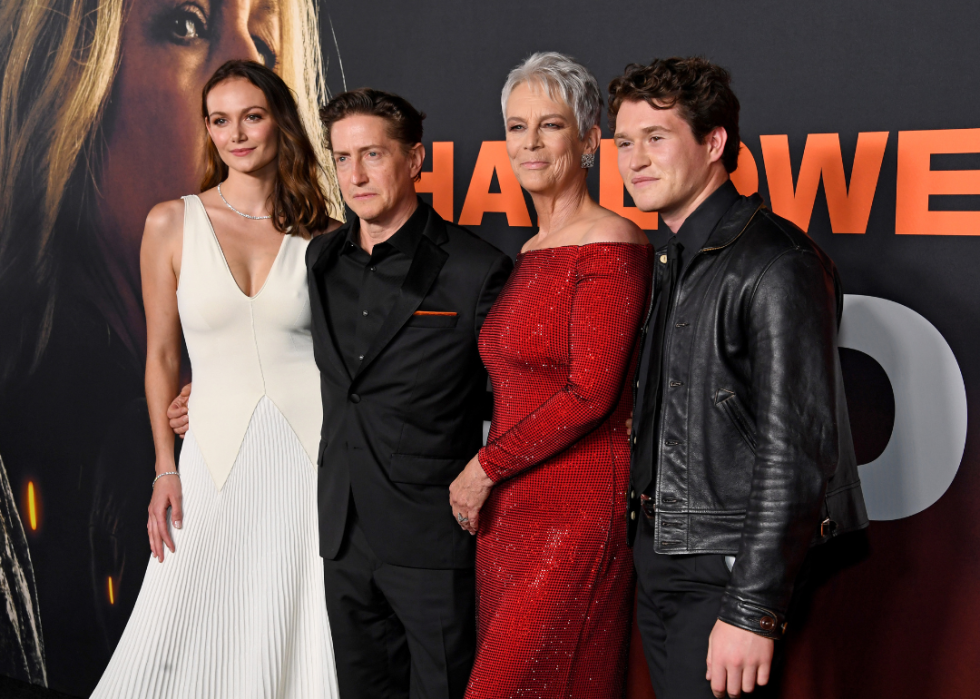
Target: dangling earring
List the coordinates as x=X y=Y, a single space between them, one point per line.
x=588 y=160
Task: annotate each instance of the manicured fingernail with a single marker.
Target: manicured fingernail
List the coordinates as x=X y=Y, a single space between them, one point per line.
x=177 y=524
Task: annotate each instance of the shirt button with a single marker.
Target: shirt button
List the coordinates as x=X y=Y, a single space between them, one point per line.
x=371 y=268
x=363 y=313
x=633 y=515
x=354 y=398
x=360 y=357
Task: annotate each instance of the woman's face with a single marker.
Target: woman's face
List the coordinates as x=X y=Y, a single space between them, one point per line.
x=241 y=126
x=153 y=135
x=542 y=140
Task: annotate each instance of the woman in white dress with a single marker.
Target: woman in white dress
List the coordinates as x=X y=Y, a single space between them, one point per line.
x=232 y=603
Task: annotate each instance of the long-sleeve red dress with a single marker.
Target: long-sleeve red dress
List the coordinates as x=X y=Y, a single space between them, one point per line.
x=554 y=574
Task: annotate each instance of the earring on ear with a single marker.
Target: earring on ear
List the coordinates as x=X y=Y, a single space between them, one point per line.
x=588 y=160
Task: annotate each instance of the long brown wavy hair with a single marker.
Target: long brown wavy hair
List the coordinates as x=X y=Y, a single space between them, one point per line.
x=298 y=202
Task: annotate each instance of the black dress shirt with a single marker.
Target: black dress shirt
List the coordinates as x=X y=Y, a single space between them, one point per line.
x=696 y=229
x=691 y=237
x=364 y=287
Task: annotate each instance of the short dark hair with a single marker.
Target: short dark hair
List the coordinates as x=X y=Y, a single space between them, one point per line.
x=404 y=120
x=699 y=88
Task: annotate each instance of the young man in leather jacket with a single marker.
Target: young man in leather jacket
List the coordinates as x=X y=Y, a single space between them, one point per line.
x=742 y=452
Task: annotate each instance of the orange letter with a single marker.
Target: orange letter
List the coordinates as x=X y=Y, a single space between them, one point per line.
x=746 y=175
x=439 y=182
x=915 y=182
x=479 y=198
x=611 y=189
x=849 y=210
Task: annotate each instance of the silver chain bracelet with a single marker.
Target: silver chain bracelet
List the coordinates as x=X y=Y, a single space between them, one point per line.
x=168 y=473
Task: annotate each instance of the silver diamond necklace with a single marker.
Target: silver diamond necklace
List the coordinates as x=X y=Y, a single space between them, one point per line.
x=254 y=218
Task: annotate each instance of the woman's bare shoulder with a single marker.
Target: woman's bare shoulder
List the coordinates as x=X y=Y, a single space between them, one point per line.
x=165 y=218
x=164 y=227
x=608 y=227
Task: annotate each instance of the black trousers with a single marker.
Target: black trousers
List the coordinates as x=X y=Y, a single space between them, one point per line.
x=398 y=633
x=678 y=599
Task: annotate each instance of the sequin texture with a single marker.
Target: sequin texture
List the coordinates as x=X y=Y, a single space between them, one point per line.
x=554 y=574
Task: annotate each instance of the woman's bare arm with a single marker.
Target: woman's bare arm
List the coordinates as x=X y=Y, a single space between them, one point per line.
x=160 y=268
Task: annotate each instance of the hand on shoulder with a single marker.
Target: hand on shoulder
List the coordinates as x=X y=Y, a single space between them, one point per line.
x=613 y=228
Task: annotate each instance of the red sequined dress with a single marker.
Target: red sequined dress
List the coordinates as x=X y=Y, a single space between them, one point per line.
x=554 y=574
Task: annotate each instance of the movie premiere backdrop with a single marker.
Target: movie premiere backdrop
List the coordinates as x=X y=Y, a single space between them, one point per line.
x=860 y=123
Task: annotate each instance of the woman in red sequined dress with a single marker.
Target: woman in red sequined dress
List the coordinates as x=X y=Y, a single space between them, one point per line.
x=546 y=496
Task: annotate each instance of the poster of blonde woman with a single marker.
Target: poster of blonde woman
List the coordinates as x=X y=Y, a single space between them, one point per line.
x=99 y=120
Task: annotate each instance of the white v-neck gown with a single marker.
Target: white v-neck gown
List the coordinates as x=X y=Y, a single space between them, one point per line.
x=238 y=610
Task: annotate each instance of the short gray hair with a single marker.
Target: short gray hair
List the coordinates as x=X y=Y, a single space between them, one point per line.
x=560 y=74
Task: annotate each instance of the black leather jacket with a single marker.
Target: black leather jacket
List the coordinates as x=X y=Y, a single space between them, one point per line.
x=754 y=447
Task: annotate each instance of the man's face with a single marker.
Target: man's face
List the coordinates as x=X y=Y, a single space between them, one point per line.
x=664 y=167
x=375 y=172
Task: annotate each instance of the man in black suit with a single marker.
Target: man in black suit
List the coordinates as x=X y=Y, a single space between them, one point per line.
x=398 y=298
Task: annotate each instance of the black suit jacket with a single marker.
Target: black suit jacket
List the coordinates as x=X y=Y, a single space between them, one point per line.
x=399 y=430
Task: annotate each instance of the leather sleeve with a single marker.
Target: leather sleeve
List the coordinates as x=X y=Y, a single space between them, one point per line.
x=609 y=299
x=792 y=328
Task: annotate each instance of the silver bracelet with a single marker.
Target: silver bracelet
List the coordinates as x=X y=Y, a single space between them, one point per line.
x=168 y=473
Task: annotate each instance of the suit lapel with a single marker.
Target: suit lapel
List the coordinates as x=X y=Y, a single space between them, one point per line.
x=322 y=332
x=426 y=264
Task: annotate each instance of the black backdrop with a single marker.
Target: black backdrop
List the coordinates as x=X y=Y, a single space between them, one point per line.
x=901 y=620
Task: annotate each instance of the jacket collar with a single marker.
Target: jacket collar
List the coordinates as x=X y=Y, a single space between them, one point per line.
x=434 y=229
x=733 y=223
x=694 y=232
x=428 y=259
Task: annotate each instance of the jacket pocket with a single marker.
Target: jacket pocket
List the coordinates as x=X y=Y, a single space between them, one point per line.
x=424 y=470
x=744 y=425
x=444 y=322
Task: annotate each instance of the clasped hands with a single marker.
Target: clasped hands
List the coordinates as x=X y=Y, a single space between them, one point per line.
x=468 y=493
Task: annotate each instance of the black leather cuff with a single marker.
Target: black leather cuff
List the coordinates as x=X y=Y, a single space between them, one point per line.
x=752 y=617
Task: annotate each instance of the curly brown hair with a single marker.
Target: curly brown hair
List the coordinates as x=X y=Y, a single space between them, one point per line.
x=404 y=121
x=699 y=88
x=298 y=202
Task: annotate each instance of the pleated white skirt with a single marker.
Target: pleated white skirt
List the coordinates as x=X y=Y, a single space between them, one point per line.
x=238 y=609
